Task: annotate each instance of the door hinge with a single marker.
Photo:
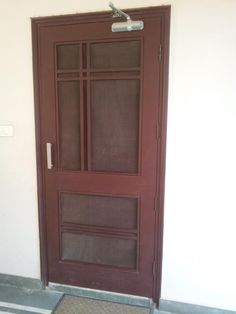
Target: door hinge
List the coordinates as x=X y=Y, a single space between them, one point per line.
x=156 y=204
x=154 y=268
x=160 y=52
x=158 y=133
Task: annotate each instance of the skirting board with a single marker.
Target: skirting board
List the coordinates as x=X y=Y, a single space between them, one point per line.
x=20 y=282
x=185 y=308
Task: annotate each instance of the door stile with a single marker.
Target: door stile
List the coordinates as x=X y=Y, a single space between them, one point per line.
x=85 y=123
x=82 y=134
x=141 y=69
x=160 y=179
x=57 y=145
x=88 y=106
x=35 y=29
x=81 y=104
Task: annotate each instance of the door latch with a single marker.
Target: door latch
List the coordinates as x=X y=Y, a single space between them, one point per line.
x=49 y=155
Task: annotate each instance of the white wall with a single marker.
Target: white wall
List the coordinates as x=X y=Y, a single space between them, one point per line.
x=200 y=212
x=200 y=208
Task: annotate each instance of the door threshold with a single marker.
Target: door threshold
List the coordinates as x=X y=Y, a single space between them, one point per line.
x=101 y=295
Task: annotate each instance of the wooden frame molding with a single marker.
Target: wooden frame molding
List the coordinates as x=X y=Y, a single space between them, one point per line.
x=162 y=12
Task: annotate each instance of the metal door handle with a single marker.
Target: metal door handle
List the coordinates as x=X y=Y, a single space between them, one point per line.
x=49 y=155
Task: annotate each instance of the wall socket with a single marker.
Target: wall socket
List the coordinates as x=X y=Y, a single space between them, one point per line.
x=6 y=131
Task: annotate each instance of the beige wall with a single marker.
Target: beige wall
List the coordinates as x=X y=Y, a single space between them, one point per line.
x=200 y=208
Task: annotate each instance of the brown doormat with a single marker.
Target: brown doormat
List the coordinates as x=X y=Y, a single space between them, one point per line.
x=78 y=305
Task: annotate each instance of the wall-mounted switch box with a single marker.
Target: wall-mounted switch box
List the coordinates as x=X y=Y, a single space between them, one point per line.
x=6 y=130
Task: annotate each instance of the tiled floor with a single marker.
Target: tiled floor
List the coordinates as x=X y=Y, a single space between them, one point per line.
x=25 y=301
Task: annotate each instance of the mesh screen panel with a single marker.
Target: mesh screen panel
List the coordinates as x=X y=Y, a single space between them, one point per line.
x=68 y=57
x=115 y=54
x=117 y=212
x=115 y=125
x=99 y=250
x=69 y=124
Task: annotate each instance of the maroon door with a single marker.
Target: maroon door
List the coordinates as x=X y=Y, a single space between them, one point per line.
x=99 y=107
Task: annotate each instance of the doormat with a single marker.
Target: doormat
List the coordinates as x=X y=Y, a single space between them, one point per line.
x=78 y=305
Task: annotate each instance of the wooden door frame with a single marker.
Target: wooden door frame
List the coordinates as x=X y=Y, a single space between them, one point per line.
x=162 y=12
